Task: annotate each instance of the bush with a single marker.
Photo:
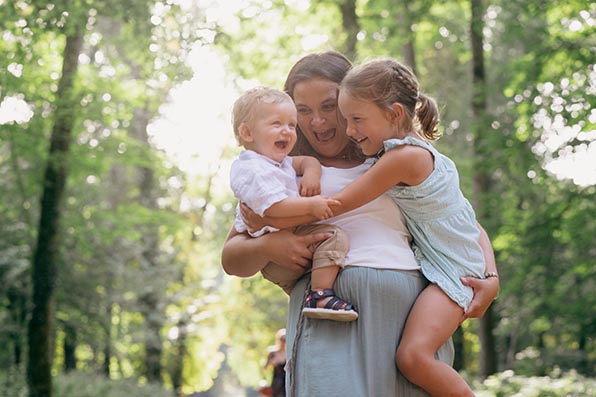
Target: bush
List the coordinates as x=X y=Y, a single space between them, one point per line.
x=557 y=384
x=12 y=383
x=80 y=384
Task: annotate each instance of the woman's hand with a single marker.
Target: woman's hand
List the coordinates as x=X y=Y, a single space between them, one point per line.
x=485 y=292
x=290 y=250
x=245 y=256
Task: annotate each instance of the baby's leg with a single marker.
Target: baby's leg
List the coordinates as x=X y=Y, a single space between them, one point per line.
x=433 y=319
x=323 y=278
x=328 y=258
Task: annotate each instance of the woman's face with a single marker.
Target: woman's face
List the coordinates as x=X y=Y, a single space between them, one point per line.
x=318 y=118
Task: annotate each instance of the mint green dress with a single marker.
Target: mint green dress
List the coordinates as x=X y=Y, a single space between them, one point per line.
x=443 y=225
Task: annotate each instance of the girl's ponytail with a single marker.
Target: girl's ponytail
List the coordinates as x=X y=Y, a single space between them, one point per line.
x=427 y=113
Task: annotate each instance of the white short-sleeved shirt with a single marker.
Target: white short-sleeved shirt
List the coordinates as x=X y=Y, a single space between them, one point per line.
x=260 y=182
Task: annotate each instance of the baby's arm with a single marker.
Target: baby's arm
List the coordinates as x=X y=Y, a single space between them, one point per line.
x=407 y=164
x=316 y=206
x=310 y=170
x=256 y=222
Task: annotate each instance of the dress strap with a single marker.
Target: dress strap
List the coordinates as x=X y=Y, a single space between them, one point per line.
x=409 y=140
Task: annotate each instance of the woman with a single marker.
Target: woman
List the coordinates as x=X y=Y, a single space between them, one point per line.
x=381 y=276
x=276 y=358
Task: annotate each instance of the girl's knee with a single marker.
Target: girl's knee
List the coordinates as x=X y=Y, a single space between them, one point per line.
x=409 y=358
x=405 y=358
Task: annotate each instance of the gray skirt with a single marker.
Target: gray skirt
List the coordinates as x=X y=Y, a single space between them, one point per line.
x=355 y=359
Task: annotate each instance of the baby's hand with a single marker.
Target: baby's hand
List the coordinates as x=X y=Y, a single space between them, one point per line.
x=320 y=206
x=251 y=219
x=309 y=186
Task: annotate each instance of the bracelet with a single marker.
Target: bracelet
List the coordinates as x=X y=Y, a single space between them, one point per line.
x=491 y=274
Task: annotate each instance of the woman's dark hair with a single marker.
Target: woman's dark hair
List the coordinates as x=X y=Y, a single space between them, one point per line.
x=328 y=65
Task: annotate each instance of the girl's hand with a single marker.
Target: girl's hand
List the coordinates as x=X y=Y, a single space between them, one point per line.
x=485 y=292
x=251 y=219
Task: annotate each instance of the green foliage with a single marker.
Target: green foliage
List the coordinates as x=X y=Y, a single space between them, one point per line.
x=80 y=384
x=119 y=244
x=13 y=383
x=507 y=383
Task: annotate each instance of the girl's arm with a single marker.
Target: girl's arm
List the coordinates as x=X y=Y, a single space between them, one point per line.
x=409 y=165
x=245 y=256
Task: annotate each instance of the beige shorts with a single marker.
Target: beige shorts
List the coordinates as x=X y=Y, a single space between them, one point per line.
x=329 y=252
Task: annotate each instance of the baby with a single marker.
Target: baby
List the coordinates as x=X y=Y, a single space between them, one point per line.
x=264 y=178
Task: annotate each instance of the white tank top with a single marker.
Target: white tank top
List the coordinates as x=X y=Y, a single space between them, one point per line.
x=377 y=231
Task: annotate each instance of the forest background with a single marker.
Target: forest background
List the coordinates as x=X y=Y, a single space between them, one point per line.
x=113 y=211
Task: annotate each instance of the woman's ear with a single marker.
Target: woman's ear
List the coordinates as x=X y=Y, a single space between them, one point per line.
x=245 y=133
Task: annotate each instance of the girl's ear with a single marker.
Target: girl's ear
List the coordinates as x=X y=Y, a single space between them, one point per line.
x=245 y=133
x=398 y=112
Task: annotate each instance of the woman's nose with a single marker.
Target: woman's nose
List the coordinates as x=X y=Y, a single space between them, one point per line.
x=318 y=119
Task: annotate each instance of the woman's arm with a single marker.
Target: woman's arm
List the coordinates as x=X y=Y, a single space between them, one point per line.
x=486 y=289
x=245 y=256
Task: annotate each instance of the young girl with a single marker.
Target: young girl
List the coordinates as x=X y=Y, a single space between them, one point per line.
x=388 y=117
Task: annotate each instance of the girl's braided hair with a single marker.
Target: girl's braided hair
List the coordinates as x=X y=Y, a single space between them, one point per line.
x=387 y=81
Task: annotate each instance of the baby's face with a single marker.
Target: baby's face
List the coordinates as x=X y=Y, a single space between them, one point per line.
x=274 y=130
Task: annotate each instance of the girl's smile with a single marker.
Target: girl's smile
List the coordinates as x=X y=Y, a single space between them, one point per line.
x=368 y=124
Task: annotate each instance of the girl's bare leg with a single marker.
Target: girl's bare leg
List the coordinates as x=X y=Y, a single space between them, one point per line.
x=433 y=319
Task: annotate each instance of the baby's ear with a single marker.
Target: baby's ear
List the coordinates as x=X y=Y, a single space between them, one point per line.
x=245 y=133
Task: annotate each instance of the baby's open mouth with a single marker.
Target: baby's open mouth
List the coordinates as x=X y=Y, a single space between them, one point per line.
x=281 y=144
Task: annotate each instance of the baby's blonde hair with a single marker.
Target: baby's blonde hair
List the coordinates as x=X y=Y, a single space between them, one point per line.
x=248 y=103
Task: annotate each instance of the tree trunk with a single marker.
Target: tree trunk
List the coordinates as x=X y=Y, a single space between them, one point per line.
x=17 y=308
x=404 y=24
x=150 y=301
x=178 y=359
x=39 y=377
x=488 y=361
x=107 y=348
x=351 y=27
x=70 y=345
x=459 y=361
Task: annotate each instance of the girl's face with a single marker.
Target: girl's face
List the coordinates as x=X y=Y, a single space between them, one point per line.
x=368 y=125
x=273 y=131
x=316 y=103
